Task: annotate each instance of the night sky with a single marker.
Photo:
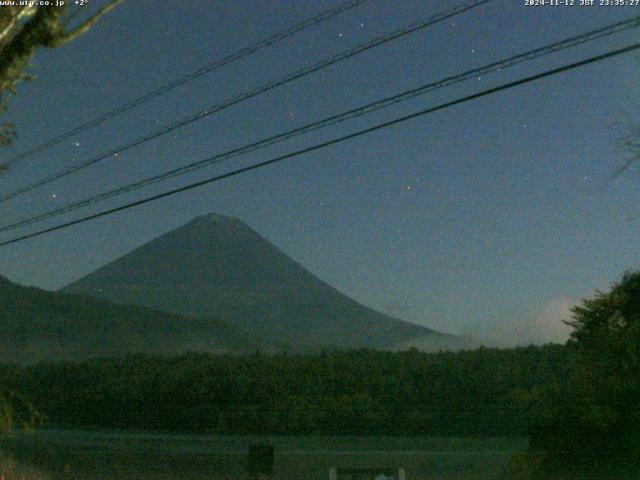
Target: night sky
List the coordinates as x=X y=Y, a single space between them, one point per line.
x=489 y=219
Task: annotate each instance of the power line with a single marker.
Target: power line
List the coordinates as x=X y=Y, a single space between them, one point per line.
x=250 y=94
x=271 y=40
x=332 y=120
x=335 y=141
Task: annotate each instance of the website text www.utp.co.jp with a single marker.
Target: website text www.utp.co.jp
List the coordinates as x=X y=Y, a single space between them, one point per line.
x=32 y=3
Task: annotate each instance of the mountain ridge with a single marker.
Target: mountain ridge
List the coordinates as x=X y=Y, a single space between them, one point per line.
x=37 y=325
x=218 y=266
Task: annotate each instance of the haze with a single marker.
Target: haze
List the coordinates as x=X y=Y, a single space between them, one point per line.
x=489 y=219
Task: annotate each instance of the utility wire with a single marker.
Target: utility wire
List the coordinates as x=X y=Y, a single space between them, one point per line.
x=334 y=141
x=250 y=94
x=275 y=38
x=366 y=109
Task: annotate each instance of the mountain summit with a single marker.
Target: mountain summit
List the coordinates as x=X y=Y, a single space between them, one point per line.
x=217 y=266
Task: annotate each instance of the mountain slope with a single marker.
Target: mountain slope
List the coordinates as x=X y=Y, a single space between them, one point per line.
x=36 y=325
x=218 y=266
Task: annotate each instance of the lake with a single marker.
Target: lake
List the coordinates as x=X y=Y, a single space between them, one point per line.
x=83 y=455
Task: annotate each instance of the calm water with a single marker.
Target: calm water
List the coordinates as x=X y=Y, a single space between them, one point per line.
x=83 y=455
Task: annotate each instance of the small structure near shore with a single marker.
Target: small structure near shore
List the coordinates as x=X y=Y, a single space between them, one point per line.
x=260 y=462
x=385 y=473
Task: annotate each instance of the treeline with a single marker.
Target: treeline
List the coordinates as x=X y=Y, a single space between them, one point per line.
x=480 y=392
x=592 y=430
x=16 y=409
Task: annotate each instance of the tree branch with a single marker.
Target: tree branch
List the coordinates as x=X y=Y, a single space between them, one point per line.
x=10 y=18
x=46 y=28
x=16 y=55
x=85 y=26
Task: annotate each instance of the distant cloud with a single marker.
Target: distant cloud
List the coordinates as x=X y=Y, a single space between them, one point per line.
x=547 y=325
x=543 y=325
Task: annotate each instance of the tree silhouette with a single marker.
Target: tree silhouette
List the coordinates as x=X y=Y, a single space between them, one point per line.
x=595 y=431
x=23 y=30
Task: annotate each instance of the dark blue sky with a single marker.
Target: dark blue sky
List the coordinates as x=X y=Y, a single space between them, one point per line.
x=489 y=218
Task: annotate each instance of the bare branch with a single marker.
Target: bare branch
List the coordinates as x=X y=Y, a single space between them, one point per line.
x=10 y=17
x=84 y=27
x=46 y=28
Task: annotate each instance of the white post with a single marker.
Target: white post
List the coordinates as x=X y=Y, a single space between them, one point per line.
x=401 y=475
x=333 y=473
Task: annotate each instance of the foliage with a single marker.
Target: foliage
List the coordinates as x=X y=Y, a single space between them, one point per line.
x=595 y=430
x=16 y=410
x=11 y=470
x=482 y=392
